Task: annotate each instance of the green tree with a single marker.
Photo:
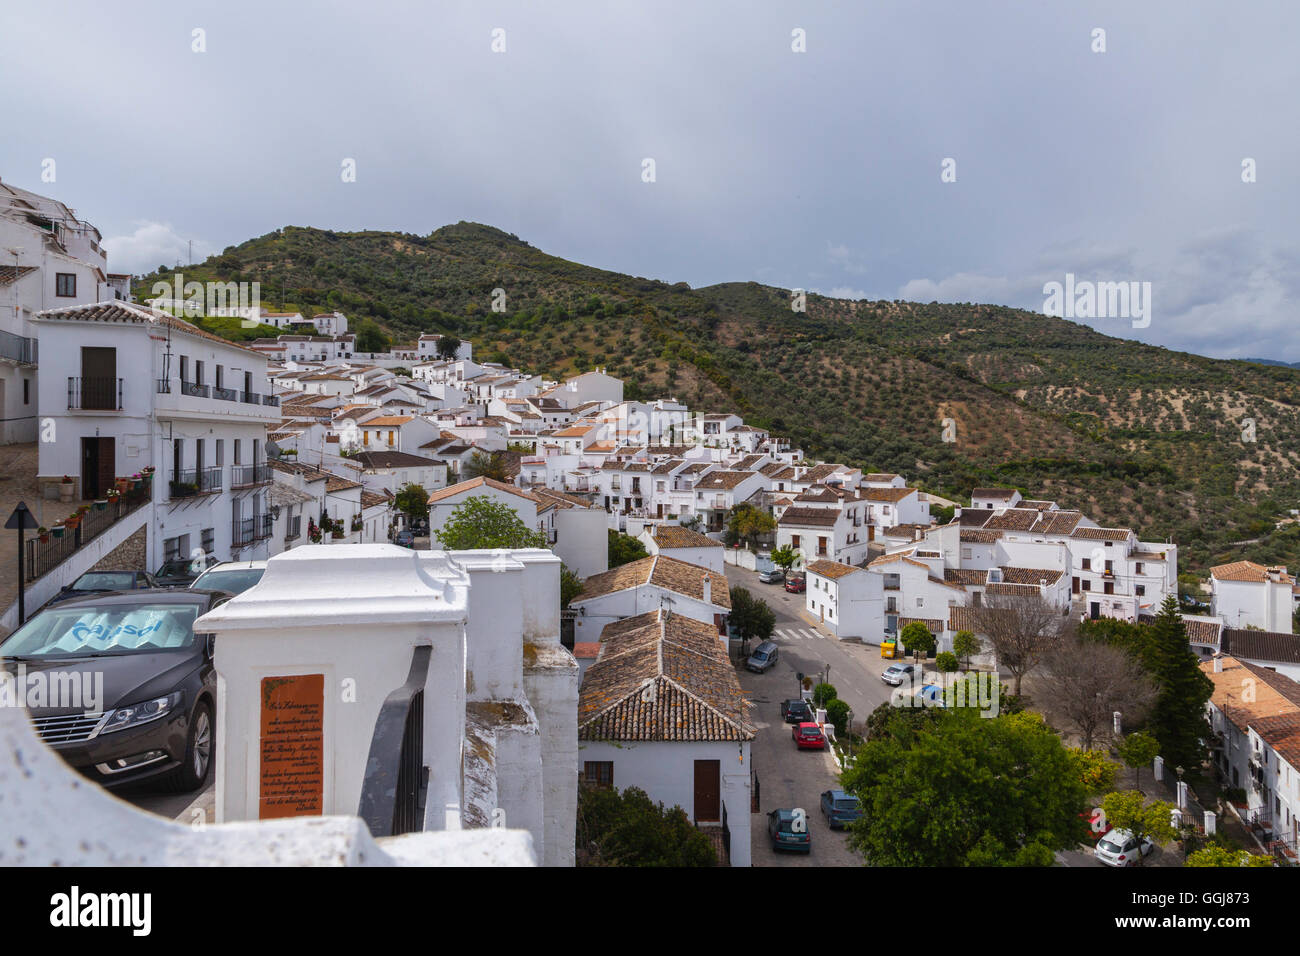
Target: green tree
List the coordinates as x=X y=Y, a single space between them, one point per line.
x=1178 y=717
x=630 y=829
x=837 y=714
x=957 y=790
x=447 y=346
x=623 y=548
x=785 y=557
x=570 y=585
x=746 y=523
x=1128 y=810
x=480 y=522
x=946 y=662
x=485 y=465
x=412 y=500
x=822 y=693
x=965 y=645
x=919 y=642
x=750 y=617
x=1094 y=769
x=370 y=338
x=1215 y=855
x=1139 y=749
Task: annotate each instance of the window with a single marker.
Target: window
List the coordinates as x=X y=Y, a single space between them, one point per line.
x=65 y=284
x=27 y=391
x=238 y=442
x=599 y=773
x=1141 y=590
x=221 y=452
x=208 y=539
x=1087 y=585
x=390 y=438
x=965 y=554
x=185 y=368
x=794 y=542
x=1086 y=564
x=920 y=602
x=1137 y=568
x=198 y=372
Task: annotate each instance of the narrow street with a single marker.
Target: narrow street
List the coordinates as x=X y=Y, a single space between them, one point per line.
x=788 y=777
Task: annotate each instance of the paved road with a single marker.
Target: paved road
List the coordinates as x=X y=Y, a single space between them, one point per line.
x=789 y=777
x=195 y=809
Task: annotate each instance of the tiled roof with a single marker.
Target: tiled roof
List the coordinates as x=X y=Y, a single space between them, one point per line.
x=662 y=677
x=1246 y=571
x=880 y=476
x=962 y=618
x=1013 y=519
x=723 y=480
x=995 y=493
x=885 y=494
x=1204 y=632
x=830 y=569
x=1004 y=588
x=371 y=499
x=675 y=536
x=820 y=472
x=1102 y=534
x=559 y=499
x=1030 y=575
x=118 y=311
x=335 y=482
x=480 y=482
x=796 y=517
x=933 y=625
x=965 y=576
x=389 y=421
x=1282 y=734
x=661 y=571
x=1269 y=646
x=979 y=535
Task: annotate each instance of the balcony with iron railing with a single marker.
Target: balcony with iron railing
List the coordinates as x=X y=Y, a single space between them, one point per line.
x=93 y=393
x=173 y=394
x=191 y=482
x=249 y=476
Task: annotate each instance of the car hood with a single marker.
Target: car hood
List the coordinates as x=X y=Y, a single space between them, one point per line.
x=109 y=680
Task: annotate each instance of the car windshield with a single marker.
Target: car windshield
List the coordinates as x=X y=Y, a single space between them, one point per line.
x=117 y=628
x=760 y=655
x=179 y=567
x=1109 y=844
x=236 y=581
x=846 y=804
x=105 y=581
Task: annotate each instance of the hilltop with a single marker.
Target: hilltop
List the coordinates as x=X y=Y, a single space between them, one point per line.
x=1133 y=434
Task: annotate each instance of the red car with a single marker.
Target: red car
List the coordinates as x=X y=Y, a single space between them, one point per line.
x=796 y=584
x=808 y=737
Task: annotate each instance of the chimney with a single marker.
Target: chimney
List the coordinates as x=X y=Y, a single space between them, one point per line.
x=1274 y=574
x=1218 y=663
x=708 y=589
x=956 y=513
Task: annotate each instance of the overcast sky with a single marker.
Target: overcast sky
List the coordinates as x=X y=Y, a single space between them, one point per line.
x=817 y=169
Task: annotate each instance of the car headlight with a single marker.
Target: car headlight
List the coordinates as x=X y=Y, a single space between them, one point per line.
x=142 y=713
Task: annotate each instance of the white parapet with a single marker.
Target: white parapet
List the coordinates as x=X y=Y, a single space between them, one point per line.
x=54 y=817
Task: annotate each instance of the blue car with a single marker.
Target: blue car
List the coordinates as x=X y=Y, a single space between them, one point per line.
x=404 y=539
x=840 y=808
x=788 y=830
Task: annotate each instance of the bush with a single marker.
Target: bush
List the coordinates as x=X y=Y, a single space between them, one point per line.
x=823 y=693
x=837 y=713
x=946 y=661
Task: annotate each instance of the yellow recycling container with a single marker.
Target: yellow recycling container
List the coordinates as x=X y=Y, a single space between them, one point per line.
x=888 y=649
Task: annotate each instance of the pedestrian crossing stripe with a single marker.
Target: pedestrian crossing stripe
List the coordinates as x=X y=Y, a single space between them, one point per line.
x=791 y=634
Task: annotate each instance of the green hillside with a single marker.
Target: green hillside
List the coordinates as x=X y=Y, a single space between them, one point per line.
x=1133 y=434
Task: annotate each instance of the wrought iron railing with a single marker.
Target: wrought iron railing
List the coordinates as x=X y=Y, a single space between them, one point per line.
x=396 y=780
x=241 y=532
x=189 y=482
x=95 y=393
x=225 y=394
x=195 y=390
x=45 y=556
x=246 y=476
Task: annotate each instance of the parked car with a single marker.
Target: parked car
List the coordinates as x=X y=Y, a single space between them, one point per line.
x=808 y=736
x=405 y=539
x=764 y=656
x=840 y=808
x=796 y=711
x=181 y=572
x=771 y=576
x=895 y=674
x=788 y=830
x=145 y=684
x=233 y=576
x=796 y=584
x=97 y=582
x=1121 y=848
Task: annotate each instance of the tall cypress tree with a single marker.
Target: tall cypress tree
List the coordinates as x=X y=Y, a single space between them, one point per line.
x=1178 y=718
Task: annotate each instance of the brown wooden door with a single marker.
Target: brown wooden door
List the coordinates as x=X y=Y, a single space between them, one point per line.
x=708 y=791
x=1074 y=585
x=98 y=466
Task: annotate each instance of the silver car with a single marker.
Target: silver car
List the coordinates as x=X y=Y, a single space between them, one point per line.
x=764 y=656
x=772 y=576
x=895 y=674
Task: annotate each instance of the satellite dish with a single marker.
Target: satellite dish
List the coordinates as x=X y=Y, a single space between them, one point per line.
x=272 y=449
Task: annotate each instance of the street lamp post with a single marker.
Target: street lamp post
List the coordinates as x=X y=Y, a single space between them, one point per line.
x=21 y=520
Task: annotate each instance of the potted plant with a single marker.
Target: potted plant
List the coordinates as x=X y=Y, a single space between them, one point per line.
x=65 y=488
x=44 y=533
x=313 y=532
x=101 y=504
x=120 y=483
x=57 y=531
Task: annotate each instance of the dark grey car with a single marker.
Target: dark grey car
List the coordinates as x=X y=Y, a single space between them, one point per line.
x=764 y=657
x=136 y=686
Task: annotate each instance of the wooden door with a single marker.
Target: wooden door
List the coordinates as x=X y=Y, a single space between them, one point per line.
x=97 y=466
x=708 y=791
